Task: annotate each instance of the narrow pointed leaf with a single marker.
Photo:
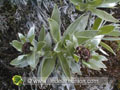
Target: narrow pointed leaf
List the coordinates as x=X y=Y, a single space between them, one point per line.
x=31 y=60
x=56 y=15
x=104 y=15
x=48 y=65
x=22 y=37
x=97 y=24
x=106 y=29
x=48 y=41
x=55 y=30
x=42 y=34
x=91 y=66
x=31 y=33
x=114 y=33
x=109 y=3
x=86 y=33
x=64 y=65
x=107 y=47
x=111 y=39
x=78 y=25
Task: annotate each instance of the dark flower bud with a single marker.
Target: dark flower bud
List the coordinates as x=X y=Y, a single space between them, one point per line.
x=83 y=52
x=26 y=47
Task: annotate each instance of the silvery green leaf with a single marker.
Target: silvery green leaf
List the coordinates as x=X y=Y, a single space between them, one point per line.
x=106 y=29
x=111 y=39
x=98 y=64
x=23 y=64
x=56 y=15
x=70 y=47
x=79 y=4
x=90 y=65
x=17 y=60
x=93 y=43
x=74 y=40
x=97 y=57
x=17 y=45
x=31 y=60
x=101 y=50
x=107 y=47
x=95 y=3
x=47 y=67
x=77 y=25
x=75 y=68
x=109 y=3
x=40 y=45
x=82 y=40
x=54 y=30
x=64 y=64
x=22 y=37
x=20 y=61
x=104 y=15
x=35 y=44
x=97 y=24
x=40 y=67
x=86 y=33
x=42 y=34
x=48 y=41
x=83 y=36
x=114 y=33
x=31 y=33
x=37 y=58
x=95 y=62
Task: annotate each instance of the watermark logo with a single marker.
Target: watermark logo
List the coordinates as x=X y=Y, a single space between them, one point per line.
x=73 y=80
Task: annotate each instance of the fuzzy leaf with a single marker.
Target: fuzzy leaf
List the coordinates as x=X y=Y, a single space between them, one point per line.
x=86 y=33
x=56 y=15
x=64 y=65
x=48 y=65
x=22 y=37
x=31 y=33
x=20 y=61
x=42 y=34
x=111 y=39
x=17 y=60
x=17 y=45
x=106 y=29
x=98 y=64
x=107 y=47
x=104 y=15
x=55 y=30
x=109 y=3
x=95 y=3
x=114 y=33
x=77 y=25
x=97 y=24
x=93 y=43
x=91 y=66
x=48 y=41
x=40 y=45
x=31 y=59
x=70 y=47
